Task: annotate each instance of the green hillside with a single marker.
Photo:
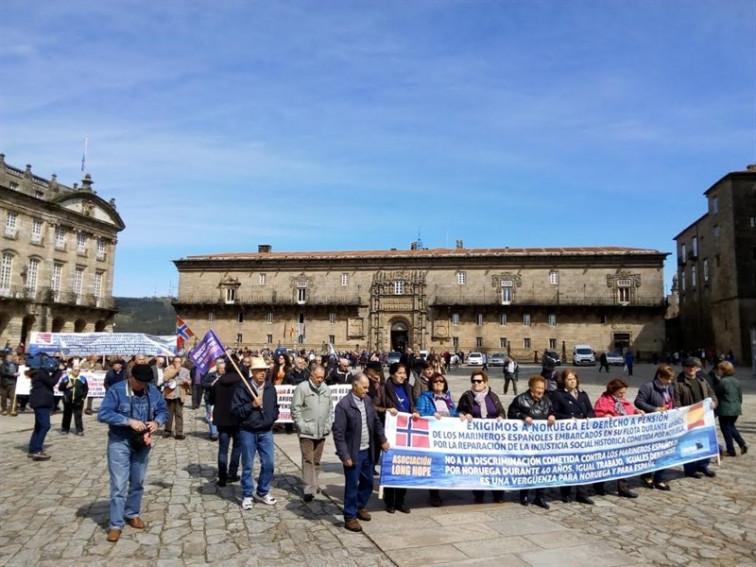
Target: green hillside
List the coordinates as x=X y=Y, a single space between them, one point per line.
x=151 y=315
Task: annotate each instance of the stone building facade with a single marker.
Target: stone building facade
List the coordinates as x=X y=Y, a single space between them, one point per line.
x=716 y=270
x=514 y=300
x=57 y=250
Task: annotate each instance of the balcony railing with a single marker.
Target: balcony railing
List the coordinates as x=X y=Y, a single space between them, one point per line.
x=267 y=299
x=48 y=295
x=490 y=297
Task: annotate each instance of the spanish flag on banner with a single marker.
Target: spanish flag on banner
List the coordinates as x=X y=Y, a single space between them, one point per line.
x=696 y=416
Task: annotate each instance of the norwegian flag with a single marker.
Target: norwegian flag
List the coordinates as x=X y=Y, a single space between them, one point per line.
x=412 y=432
x=183 y=333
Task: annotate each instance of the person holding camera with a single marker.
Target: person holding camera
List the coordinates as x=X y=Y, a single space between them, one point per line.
x=44 y=373
x=134 y=410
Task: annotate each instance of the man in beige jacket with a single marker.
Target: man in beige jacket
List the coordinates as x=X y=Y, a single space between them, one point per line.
x=176 y=384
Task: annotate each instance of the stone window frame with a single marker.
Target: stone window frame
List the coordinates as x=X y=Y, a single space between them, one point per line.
x=344 y=279
x=461 y=277
x=479 y=319
x=455 y=319
x=527 y=321
x=11 y=224
x=554 y=277
x=552 y=319
x=36 y=235
x=478 y=342
x=526 y=343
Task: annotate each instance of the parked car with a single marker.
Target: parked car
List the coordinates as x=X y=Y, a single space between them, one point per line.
x=497 y=359
x=393 y=357
x=615 y=358
x=583 y=354
x=475 y=359
x=552 y=357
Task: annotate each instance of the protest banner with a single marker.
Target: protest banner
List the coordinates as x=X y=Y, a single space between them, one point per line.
x=84 y=344
x=510 y=455
x=285 y=393
x=95 y=381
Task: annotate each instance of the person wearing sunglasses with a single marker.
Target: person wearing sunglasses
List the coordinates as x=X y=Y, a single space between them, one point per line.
x=481 y=402
x=436 y=401
x=530 y=406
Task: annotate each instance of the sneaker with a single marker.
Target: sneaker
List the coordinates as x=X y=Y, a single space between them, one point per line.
x=40 y=456
x=233 y=478
x=63 y=432
x=267 y=499
x=247 y=504
x=80 y=433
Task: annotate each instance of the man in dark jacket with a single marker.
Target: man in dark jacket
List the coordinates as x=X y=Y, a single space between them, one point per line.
x=356 y=428
x=41 y=400
x=298 y=374
x=221 y=396
x=341 y=374
x=255 y=406
x=8 y=376
x=115 y=374
x=692 y=387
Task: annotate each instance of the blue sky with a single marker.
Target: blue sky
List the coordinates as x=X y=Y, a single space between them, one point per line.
x=329 y=125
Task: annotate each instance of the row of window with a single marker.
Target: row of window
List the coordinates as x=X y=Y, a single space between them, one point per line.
x=694 y=275
x=31 y=271
x=13 y=186
x=526 y=320
x=507 y=291
x=503 y=341
x=11 y=231
x=399 y=284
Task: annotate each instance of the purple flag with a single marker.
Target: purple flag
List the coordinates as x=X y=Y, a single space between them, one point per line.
x=206 y=352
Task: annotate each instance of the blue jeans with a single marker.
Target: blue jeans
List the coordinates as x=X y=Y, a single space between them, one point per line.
x=256 y=442
x=358 y=485
x=126 y=466
x=41 y=427
x=226 y=469
x=208 y=418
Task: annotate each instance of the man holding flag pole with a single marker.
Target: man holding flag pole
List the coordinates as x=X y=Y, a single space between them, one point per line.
x=256 y=409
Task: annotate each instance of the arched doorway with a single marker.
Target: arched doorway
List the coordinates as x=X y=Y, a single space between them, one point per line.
x=57 y=324
x=79 y=325
x=400 y=338
x=26 y=327
x=100 y=326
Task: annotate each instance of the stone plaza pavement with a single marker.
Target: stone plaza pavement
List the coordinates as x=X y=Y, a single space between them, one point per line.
x=55 y=512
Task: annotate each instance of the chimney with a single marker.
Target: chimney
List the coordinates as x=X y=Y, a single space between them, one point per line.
x=460 y=245
x=413 y=245
x=263 y=248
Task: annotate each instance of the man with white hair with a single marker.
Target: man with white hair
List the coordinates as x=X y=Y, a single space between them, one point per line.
x=341 y=374
x=75 y=388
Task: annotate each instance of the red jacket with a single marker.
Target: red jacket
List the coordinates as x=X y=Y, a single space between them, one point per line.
x=605 y=406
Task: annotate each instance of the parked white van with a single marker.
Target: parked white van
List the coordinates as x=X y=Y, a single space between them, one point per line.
x=583 y=354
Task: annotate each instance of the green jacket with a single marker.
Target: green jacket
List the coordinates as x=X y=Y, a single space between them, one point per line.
x=312 y=410
x=730 y=397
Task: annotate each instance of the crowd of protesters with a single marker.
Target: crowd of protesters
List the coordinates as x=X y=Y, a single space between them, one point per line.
x=241 y=410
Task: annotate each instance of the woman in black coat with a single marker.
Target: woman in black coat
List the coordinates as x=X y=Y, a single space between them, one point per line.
x=481 y=402
x=529 y=406
x=570 y=402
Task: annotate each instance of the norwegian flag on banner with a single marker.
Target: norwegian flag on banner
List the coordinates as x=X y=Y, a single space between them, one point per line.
x=412 y=432
x=183 y=333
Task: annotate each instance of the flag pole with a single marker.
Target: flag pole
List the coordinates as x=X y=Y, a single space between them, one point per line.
x=84 y=155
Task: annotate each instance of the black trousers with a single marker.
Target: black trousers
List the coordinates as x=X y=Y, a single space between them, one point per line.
x=75 y=411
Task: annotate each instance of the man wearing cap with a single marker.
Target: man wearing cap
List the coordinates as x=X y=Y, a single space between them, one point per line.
x=312 y=411
x=134 y=410
x=115 y=374
x=255 y=406
x=692 y=387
